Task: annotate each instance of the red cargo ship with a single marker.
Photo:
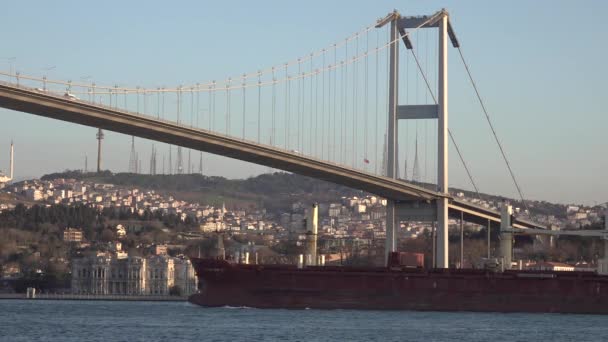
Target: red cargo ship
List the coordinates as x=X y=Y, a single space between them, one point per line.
x=395 y=287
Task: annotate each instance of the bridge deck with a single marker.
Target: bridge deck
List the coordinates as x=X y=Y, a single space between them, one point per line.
x=57 y=107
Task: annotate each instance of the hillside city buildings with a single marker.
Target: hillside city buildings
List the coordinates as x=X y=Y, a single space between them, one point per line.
x=111 y=270
x=353 y=216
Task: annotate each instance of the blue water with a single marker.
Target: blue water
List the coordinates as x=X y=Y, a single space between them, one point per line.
x=41 y=320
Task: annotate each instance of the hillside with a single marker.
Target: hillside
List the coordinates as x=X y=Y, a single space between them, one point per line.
x=274 y=191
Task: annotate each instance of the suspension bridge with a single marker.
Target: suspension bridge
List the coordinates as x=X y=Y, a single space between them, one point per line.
x=360 y=112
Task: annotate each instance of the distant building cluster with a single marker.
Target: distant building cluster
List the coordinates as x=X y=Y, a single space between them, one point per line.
x=351 y=217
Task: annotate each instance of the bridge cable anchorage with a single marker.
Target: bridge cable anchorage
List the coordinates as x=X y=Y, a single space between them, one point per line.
x=449 y=131
x=487 y=116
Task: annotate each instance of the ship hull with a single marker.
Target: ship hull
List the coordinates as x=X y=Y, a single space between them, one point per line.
x=274 y=286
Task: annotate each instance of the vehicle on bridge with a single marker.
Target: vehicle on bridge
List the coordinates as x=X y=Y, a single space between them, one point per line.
x=69 y=96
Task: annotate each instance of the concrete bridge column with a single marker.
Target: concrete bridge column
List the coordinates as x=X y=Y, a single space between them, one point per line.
x=506 y=236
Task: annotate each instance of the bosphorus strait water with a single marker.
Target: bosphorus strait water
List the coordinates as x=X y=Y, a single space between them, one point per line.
x=49 y=320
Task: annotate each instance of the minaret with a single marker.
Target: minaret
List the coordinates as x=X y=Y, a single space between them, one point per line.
x=180 y=163
x=405 y=168
x=153 y=161
x=99 y=139
x=170 y=161
x=416 y=171
x=189 y=161
x=384 y=156
x=133 y=157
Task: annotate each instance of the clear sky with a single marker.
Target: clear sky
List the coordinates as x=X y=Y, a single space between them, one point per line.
x=540 y=65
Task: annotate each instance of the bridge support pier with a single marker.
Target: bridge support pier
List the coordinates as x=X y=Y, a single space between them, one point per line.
x=392 y=222
x=506 y=236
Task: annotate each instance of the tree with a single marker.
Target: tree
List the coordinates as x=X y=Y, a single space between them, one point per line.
x=107 y=235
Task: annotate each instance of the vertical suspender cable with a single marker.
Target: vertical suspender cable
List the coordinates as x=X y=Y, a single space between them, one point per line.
x=355 y=88
x=344 y=103
x=228 y=107
x=298 y=114
x=259 y=105
x=310 y=126
x=335 y=111
x=323 y=127
x=274 y=102
x=286 y=121
x=376 y=159
x=366 y=103
x=316 y=127
x=244 y=84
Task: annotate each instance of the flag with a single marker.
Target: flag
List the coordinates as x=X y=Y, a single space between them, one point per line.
x=365 y=160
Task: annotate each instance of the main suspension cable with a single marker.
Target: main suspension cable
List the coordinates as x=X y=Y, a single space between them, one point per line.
x=485 y=111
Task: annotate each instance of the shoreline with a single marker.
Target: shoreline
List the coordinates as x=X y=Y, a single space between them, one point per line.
x=9 y=296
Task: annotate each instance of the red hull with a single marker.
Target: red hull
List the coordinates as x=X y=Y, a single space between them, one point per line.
x=278 y=286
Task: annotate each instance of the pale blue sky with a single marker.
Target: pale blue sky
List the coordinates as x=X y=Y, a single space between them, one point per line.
x=540 y=66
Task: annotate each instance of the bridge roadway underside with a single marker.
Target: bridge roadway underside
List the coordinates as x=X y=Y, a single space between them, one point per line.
x=60 y=108
x=57 y=107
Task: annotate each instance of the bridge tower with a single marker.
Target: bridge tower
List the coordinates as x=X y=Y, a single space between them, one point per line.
x=408 y=210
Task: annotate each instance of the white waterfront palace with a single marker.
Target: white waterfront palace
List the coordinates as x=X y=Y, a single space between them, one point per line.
x=159 y=275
